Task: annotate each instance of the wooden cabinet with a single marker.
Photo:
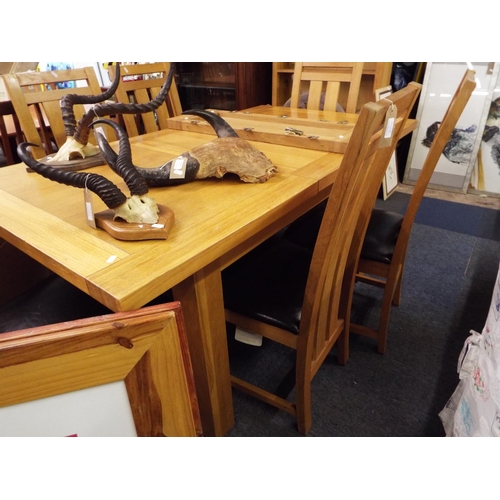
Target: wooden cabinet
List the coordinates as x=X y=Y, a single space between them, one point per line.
x=223 y=85
x=375 y=75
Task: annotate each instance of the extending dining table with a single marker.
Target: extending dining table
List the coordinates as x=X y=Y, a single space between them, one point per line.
x=216 y=222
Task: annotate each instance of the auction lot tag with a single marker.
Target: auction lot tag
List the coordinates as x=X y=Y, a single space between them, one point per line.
x=178 y=168
x=390 y=121
x=89 y=206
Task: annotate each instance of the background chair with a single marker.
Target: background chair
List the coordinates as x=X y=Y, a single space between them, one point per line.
x=322 y=82
x=384 y=249
x=140 y=84
x=35 y=97
x=384 y=245
x=8 y=141
x=147 y=349
x=298 y=297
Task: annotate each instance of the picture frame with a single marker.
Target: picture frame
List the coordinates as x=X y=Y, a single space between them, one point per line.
x=456 y=164
x=485 y=178
x=145 y=349
x=390 y=181
x=383 y=92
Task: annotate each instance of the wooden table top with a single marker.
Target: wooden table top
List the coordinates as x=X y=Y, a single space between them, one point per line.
x=46 y=220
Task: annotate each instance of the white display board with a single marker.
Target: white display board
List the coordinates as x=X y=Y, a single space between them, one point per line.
x=456 y=165
x=95 y=412
x=486 y=174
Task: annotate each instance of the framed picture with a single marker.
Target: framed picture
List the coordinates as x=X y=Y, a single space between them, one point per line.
x=383 y=92
x=486 y=174
x=456 y=164
x=390 y=181
x=125 y=373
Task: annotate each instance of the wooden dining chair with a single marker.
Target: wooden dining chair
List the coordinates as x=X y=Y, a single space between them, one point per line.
x=36 y=96
x=384 y=245
x=300 y=297
x=386 y=242
x=54 y=339
x=323 y=81
x=140 y=84
x=10 y=133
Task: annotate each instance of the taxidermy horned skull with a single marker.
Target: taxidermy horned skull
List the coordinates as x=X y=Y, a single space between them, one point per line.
x=77 y=134
x=138 y=208
x=226 y=154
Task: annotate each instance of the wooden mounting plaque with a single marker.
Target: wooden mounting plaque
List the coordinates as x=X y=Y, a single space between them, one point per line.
x=130 y=231
x=322 y=135
x=73 y=165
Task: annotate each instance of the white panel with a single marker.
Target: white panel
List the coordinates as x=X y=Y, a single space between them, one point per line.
x=98 y=411
x=455 y=166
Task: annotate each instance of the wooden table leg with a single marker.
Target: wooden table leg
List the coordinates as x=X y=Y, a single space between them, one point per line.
x=203 y=309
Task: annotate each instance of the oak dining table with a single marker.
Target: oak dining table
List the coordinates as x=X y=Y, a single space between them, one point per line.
x=216 y=222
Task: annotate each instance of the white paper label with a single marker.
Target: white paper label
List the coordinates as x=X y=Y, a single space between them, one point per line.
x=178 y=169
x=248 y=337
x=89 y=208
x=389 y=128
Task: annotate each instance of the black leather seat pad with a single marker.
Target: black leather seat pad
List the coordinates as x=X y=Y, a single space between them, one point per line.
x=53 y=300
x=381 y=235
x=380 y=239
x=268 y=284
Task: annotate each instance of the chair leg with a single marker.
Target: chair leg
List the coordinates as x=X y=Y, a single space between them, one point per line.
x=303 y=404
x=392 y=285
x=397 y=294
x=343 y=347
x=383 y=326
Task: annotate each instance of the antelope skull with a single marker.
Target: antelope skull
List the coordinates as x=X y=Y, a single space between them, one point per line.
x=77 y=134
x=226 y=154
x=139 y=207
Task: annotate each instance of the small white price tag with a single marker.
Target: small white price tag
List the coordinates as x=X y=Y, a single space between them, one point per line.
x=178 y=168
x=389 y=126
x=89 y=208
x=99 y=130
x=248 y=337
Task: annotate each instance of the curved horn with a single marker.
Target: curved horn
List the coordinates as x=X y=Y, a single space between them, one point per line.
x=221 y=127
x=109 y=193
x=106 y=109
x=121 y=163
x=107 y=151
x=69 y=100
x=158 y=176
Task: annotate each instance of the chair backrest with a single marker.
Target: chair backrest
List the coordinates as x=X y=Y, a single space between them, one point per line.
x=404 y=100
x=146 y=349
x=36 y=96
x=140 y=84
x=450 y=119
x=325 y=79
x=6 y=128
x=360 y=174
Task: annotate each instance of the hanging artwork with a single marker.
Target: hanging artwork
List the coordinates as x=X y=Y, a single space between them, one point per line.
x=486 y=175
x=456 y=165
